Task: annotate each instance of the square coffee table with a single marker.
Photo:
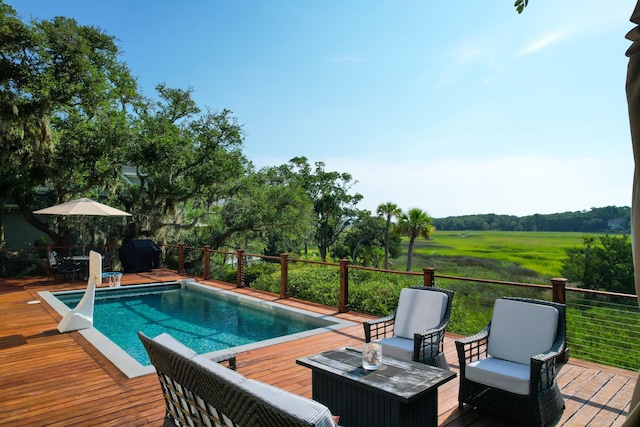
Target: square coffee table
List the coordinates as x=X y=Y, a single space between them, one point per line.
x=399 y=393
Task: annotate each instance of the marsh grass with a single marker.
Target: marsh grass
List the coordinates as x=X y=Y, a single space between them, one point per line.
x=525 y=257
x=528 y=257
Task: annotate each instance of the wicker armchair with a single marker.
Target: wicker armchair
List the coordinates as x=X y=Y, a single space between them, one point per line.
x=509 y=368
x=415 y=331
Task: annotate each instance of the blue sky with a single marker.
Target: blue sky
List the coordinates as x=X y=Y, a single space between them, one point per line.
x=454 y=108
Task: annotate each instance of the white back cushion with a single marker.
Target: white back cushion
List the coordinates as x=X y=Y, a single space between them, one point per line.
x=418 y=310
x=175 y=345
x=222 y=371
x=520 y=330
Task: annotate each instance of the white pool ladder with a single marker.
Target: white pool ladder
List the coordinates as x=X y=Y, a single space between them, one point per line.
x=81 y=317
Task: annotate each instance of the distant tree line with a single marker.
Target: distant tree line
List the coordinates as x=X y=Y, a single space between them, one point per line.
x=608 y=219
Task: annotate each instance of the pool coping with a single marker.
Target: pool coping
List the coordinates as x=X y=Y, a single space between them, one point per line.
x=131 y=368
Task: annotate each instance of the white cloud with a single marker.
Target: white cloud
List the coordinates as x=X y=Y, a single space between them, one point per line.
x=544 y=41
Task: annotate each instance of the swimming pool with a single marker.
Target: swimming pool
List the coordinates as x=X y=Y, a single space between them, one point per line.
x=207 y=319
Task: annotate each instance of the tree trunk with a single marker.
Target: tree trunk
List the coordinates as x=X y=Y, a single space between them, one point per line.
x=410 y=254
x=386 y=244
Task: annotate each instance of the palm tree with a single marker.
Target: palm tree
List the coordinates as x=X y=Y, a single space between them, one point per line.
x=414 y=223
x=388 y=210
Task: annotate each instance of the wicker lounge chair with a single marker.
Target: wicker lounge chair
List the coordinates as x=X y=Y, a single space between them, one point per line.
x=509 y=368
x=415 y=331
x=199 y=391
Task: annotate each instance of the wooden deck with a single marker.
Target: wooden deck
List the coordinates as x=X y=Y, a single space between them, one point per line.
x=53 y=379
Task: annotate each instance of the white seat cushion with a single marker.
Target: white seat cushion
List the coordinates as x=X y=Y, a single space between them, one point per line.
x=400 y=348
x=301 y=407
x=222 y=371
x=502 y=374
x=417 y=311
x=520 y=330
x=173 y=344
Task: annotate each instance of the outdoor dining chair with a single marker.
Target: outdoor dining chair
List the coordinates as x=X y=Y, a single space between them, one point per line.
x=509 y=368
x=415 y=331
x=107 y=261
x=67 y=268
x=52 y=259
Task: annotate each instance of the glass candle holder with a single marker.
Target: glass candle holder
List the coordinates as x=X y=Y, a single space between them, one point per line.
x=371 y=356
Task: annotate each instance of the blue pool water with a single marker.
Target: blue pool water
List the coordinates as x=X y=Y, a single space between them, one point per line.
x=200 y=320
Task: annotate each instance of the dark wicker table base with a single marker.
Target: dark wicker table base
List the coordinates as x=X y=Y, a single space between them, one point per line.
x=360 y=407
x=399 y=394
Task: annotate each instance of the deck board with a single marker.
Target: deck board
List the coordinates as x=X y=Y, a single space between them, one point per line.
x=55 y=379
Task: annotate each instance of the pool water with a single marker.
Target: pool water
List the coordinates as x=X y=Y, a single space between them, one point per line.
x=199 y=320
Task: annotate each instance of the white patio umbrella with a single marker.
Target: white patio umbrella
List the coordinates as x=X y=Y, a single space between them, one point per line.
x=82 y=207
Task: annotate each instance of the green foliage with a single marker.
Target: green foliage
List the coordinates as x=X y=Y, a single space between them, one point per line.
x=259 y=269
x=414 y=223
x=520 y=5
x=186 y=161
x=607 y=267
x=63 y=112
x=363 y=241
x=333 y=207
x=284 y=213
x=388 y=211
x=311 y=282
x=375 y=292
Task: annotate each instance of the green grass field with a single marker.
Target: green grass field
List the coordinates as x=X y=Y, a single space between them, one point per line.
x=531 y=257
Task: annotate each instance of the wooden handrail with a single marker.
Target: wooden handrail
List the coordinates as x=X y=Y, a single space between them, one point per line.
x=558 y=285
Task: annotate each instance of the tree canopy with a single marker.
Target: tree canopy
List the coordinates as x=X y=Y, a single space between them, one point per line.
x=415 y=222
x=73 y=124
x=63 y=112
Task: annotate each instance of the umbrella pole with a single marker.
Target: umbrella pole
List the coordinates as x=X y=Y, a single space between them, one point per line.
x=82 y=236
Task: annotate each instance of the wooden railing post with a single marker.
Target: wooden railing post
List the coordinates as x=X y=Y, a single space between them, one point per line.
x=559 y=290
x=284 y=276
x=559 y=295
x=240 y=254
x=344 y=286
x=207 y=262
x=429 y=279
x=180 y=258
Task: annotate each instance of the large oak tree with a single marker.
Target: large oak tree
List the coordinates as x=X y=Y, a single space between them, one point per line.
x=63 y=113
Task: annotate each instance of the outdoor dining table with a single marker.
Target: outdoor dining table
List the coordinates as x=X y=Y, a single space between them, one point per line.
x=399 y=393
